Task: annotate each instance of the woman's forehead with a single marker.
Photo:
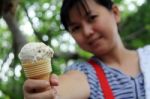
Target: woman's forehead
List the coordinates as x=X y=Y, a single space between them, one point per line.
x=83 y=7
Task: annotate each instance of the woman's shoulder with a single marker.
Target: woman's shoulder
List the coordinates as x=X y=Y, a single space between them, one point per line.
x=79 y=66
x=88 y=70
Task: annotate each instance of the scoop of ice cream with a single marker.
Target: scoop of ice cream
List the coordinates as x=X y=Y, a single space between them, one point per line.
x=35 y=51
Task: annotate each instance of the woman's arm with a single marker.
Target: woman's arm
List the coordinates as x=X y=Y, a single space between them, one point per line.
x=71 y=85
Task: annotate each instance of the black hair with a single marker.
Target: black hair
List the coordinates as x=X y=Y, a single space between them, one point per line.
x=68 y=4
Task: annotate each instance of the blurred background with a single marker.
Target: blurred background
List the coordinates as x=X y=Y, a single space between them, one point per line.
x=23 y=21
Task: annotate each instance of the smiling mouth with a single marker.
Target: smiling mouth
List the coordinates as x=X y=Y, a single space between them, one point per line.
x=93 y=42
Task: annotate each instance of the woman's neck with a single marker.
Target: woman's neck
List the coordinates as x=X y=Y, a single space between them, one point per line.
x=118 y=56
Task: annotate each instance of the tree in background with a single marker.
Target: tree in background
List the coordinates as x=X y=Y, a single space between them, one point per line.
x=136 y=27
x=41 y=21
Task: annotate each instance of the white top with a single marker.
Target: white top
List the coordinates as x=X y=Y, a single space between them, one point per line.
x=144 y=55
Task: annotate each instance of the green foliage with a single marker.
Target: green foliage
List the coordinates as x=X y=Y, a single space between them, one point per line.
x=56 y=68
x=118 y=1
x=12 y=89
x=6 y=42
x=136 y=28
x=85 y=55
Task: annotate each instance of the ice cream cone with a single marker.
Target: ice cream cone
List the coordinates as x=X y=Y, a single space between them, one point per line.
x=36 y=60
x=37 y=70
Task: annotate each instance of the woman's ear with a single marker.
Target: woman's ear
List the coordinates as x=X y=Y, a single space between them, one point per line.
x=116 y=13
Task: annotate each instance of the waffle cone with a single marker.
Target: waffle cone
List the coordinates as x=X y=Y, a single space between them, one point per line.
x=37 y=70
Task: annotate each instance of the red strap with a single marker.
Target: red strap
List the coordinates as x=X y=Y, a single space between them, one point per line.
x=107 y=91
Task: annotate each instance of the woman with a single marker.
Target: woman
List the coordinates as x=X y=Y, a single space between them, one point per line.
x=93 y=25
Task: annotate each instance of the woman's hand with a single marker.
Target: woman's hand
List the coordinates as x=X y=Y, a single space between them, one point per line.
x=41 y=89
x=71 y=85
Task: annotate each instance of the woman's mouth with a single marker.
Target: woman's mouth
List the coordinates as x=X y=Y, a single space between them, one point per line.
x=94 y=41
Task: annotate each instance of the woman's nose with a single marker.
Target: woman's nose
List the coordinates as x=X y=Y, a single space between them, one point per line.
x=87 y=29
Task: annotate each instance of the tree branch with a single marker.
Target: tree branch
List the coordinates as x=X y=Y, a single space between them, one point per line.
x=18 y=38
x=35 y=32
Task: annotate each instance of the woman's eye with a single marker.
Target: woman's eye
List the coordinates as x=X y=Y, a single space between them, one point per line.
x=75 y=28
x=92 y=17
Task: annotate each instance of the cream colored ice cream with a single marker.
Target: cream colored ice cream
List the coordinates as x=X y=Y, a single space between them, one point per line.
x=36 y=60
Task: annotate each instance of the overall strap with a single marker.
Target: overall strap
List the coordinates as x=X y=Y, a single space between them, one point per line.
x=106 y=89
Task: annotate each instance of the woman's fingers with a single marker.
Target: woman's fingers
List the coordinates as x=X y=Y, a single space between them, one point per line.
x=34 y=85
x=54 y=80
x=41 y=89
x=47 y=94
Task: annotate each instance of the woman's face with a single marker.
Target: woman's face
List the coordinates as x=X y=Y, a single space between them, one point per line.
x=96 y=32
